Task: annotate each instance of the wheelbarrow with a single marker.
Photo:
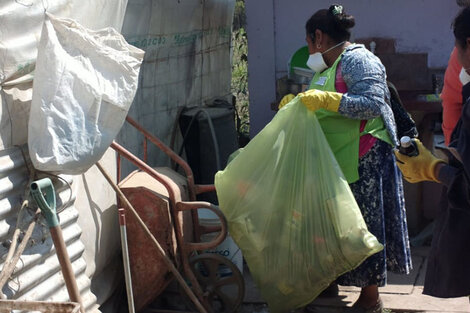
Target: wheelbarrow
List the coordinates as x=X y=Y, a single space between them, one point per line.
x=165 y=207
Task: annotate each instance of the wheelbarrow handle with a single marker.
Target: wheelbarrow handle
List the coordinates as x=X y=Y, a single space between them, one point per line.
x=194 y=205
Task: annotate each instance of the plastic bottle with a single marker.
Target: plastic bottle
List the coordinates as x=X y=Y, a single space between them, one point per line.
x=408 y=146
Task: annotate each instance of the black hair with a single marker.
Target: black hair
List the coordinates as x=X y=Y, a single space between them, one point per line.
x=461 y=27
x=334 y=22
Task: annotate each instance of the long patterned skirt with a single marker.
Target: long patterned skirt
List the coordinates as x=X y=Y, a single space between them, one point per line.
x=379 y=194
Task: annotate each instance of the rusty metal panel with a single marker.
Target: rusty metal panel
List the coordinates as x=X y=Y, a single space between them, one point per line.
x=37 y=275
x=150 y=275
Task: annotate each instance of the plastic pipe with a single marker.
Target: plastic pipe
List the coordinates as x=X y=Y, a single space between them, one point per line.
x=125 y=258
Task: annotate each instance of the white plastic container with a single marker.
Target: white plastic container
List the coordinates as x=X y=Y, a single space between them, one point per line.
x=228 y=249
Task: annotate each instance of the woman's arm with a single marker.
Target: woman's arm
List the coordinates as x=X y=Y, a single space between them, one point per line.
x=365 y=77
x=451 y=97
x=460 y=147
x=427 y=167
x=446 y=173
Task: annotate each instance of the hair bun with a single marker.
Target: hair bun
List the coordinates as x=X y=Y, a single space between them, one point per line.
x=343 y=20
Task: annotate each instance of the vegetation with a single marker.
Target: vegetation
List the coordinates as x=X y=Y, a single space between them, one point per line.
x=240 y=68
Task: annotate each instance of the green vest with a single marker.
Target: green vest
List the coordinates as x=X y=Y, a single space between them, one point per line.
x=342 y=133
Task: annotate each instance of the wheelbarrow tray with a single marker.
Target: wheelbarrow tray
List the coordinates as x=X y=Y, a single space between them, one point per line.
x=150 y=275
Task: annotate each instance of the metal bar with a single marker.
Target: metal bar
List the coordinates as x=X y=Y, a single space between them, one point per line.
x=118 y=178
x=66 y=266
x=44 y=306
x=174 y=156
x=196 y=226
x=145 y=150
x=185 y=250
x=166 y=182
x=166 y=259
x=125 y=258
x=185 y=206
x=181 y=162
x=204 y=188
x=143 y=166
x=192 y=187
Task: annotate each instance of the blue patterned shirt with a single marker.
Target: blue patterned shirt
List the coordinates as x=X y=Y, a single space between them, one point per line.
x=368 y=96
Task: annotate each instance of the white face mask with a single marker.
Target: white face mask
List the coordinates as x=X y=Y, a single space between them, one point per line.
x=464 y=77
x=316 y=62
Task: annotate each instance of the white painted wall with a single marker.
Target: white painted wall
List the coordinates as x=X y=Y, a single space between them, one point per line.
x=276 y=29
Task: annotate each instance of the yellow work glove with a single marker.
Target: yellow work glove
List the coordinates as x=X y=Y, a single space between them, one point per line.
x=418 y=168
x=285 y=100
x=316 y=99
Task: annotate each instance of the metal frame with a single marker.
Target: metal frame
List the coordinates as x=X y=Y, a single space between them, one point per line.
x=185 y=249
x=194 y=189
x=42 y=306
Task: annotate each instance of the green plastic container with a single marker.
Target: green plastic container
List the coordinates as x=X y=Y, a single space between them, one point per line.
x=298 y=59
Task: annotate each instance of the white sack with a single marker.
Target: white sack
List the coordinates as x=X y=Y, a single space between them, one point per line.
x=21 y=23
x=83 y=86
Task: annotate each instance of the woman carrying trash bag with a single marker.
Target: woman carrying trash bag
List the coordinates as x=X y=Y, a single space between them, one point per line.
x=350 y=96
x=448 y=271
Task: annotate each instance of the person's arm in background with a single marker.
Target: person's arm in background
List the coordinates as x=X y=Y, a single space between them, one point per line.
x=451 y=97
x=426 y=167
x=449 y=174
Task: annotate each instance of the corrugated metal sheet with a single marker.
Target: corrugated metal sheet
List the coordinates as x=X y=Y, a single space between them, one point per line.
x=37 y=275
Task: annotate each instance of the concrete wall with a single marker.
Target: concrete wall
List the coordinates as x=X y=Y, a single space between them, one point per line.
x=276 y=29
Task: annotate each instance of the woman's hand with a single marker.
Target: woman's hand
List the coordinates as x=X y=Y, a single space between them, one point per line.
x=316 y=99
x=423 y=167
x=285 y=100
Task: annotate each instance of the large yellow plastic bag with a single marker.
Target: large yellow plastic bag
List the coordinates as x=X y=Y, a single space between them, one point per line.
x=291 y=211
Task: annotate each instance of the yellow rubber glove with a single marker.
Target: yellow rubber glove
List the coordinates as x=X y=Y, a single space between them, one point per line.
x=418 y=168
x=316 y=99
x=285 y=100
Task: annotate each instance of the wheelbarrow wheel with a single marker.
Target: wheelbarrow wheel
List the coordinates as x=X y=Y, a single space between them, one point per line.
x=222 y=284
